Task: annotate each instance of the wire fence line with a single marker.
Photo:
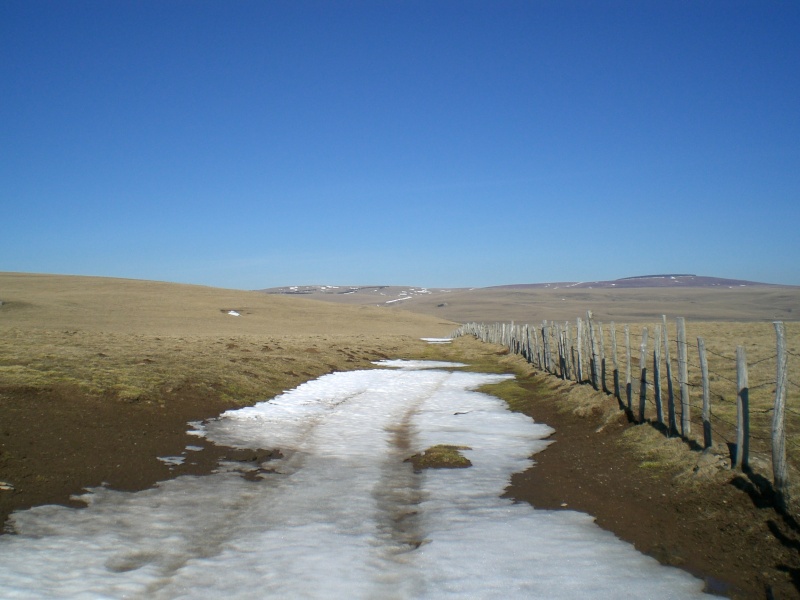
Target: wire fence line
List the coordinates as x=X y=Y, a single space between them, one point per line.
x=658 y=376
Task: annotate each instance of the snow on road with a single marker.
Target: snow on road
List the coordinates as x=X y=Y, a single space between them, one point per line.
x=341 y=515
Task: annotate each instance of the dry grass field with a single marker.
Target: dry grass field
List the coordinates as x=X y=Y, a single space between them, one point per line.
x=134 y=340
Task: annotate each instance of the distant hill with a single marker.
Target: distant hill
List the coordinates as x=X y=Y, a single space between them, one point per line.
x=626 y=299
x=390 y=294
x=647 y=281
x=359 y=294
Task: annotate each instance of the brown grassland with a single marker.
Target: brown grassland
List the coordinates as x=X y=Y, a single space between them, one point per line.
x=100 y=376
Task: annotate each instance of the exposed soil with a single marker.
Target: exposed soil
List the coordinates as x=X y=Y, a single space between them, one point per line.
x=54 y=443
x=721 y=530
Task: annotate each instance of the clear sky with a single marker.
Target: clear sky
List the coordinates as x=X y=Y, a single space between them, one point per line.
x=250 y=144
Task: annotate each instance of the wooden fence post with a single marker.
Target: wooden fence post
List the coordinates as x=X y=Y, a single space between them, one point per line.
x=742 y=411
x=615 y=364
x=546 y=345
x=628 y=390
x=643 y=378
x=545 y=363
x=683 y=375
x=593 y=344
x=672 y=426
x=603 y=385
x=531 y=350
x=780 y=471
x=568 y=351
x=701 y=351
x=657 y=374
x=525 y=343
x=558 y=334
x=537 y=351
x=579 y=344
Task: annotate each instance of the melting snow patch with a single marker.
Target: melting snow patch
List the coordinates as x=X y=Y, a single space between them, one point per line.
x=233 y=313
x=172 y=460
x=340 y=514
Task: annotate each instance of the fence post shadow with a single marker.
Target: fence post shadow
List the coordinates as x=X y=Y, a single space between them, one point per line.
x=617 y=395
x=761 y=492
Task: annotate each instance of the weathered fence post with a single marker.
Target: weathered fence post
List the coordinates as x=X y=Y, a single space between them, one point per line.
x=701 y=351
x=657 y=374
x=560 y=346
x=672 y=426
x=545 y=361
x=742 y=411
x=526 y=343
x=602 y=358
x=546 y=346
x=537 y=351
x=593 y=343
x=617 y=395
x=780 y=470
x=526 y=332
x=628 y=390
x=579 y=343
x=683 y=374
x=568 y=350
x=643 y=378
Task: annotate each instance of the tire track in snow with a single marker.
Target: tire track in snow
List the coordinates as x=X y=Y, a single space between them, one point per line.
x=210 y=536
x=398 y=496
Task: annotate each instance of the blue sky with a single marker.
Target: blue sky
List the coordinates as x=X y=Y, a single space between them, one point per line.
x=436 y=143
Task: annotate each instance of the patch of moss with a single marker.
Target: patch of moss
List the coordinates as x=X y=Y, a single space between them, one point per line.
x=441 y=456
x=651 y=464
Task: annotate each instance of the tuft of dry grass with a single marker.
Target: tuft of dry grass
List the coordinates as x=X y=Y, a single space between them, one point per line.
x=441 y=456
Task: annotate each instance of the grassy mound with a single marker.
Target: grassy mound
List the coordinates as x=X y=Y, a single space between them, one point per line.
x=441 y=456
